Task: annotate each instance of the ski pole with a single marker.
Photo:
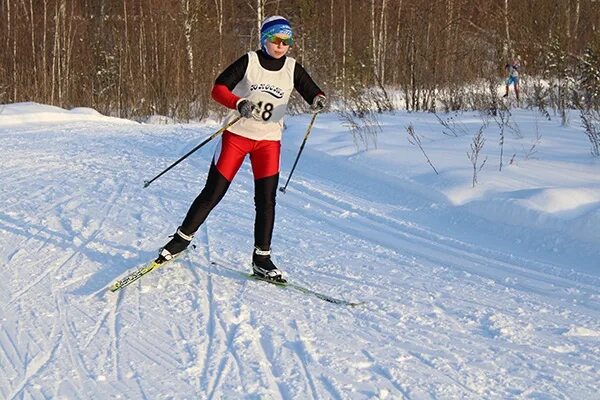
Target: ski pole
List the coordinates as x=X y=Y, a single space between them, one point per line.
x=312 y=121
x=211 y=137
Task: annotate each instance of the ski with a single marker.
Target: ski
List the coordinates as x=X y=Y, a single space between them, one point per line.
x=137 y=274
x=291 y=285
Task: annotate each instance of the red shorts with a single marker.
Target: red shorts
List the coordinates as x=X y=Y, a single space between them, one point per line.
x=232 y=150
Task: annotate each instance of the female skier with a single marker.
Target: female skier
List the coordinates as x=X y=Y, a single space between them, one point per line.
x=257 y=86
x=513 y=76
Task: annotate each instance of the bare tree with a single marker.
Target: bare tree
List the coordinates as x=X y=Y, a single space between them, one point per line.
x=507 y=29
x=11 y=39
x=34 y=59
x=187 y=24
x=220 y=19
x=132 y=58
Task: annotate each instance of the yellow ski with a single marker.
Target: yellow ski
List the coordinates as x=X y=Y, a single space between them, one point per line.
x=134 y=276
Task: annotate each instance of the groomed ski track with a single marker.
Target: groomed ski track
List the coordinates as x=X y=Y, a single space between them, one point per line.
x=444 y=318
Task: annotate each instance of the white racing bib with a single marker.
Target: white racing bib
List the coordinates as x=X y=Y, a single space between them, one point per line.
x=270 y=91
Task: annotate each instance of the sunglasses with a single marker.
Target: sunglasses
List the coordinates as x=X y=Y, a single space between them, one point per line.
x=277 y=40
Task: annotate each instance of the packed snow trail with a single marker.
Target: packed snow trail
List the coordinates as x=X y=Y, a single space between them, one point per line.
x=449 y=313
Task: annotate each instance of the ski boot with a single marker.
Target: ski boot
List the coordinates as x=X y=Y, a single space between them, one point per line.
x=263 y=267
x=178 y=244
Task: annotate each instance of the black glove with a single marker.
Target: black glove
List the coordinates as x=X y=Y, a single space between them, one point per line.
x=319 y=103
x=245 y=108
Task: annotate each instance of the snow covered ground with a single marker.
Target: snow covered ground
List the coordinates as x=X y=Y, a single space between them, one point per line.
x=491 y=292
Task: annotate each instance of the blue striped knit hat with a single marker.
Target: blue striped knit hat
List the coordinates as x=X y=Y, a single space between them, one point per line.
x=272 y=26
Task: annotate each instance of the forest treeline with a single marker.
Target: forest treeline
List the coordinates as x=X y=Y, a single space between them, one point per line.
x=133 y=58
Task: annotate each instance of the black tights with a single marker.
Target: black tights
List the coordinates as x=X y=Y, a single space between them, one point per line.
x=265 y=191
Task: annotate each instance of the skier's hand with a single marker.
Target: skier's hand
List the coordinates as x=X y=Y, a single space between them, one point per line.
x=319 y=103
x=245 y=108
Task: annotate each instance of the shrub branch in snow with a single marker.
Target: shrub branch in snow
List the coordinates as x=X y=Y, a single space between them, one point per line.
x=358 y=115
x=591 y=124
x=533 y=148
x=473 y=155
x=502 y=118
x=451 y=127
x=415 y=140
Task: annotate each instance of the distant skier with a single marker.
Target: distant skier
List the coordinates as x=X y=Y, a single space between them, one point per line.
x=257 y=86
x=512 y=69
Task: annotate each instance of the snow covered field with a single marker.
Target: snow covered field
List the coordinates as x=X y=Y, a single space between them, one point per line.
x=484 y=293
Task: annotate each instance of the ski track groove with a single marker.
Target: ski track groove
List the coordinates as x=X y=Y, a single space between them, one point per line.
x=22 y=244
x=76 y=279
x=189 y=357
x=140 y=387
x=300 y=351
x=334 y=393
x=49 y=271
x=380 y=370
x=113 y=320
x=267 y=370
x=52 y=271
x=258 y=349
x=14 y=361
x=61 y=202
x=201 y=358
x=224 y=364
x=436 y=370
x=233 y=333
x=31 y=197
x=210 y=333
x=211 y=321
x=100 y=322
x=68 y=333
x=179 y=340
x=275 y=384
x=138 y=305
x=230 y=332
x=428 y=240
x=38 y=362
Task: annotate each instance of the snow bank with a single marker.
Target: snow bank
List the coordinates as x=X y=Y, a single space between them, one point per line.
x=548 y=187
x=574 y=212
x=31 y=113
